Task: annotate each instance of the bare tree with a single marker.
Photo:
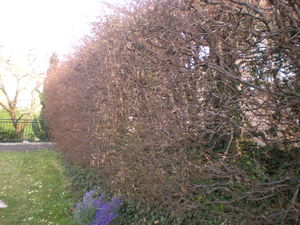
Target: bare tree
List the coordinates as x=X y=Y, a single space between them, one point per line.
x=15 y=84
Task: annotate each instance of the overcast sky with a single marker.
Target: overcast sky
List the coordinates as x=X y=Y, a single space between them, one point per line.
x=45 y=25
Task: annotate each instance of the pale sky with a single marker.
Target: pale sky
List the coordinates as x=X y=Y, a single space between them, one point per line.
x=45 y=25
x=41 y=27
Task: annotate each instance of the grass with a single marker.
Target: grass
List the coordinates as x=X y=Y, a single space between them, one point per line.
x=35 y=189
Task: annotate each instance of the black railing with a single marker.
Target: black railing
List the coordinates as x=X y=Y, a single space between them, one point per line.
x=22 y=130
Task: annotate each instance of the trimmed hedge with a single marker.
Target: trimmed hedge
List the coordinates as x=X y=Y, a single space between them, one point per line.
x=188 y=105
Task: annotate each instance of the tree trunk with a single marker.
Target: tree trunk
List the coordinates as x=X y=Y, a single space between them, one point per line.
x=19 y=127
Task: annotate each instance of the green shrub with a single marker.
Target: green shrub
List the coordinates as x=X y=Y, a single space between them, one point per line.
x=8 y=135
x=82 y=178
x=39 y=128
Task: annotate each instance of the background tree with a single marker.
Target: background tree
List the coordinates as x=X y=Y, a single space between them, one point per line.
x=17 y=84
x=39 y=127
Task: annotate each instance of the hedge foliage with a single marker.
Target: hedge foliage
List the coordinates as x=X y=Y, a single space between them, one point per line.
x=191 y=105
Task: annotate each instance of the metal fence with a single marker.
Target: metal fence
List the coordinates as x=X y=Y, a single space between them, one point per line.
x=27 y=129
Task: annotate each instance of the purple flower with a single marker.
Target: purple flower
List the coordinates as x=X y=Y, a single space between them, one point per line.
x=107 y=212
x=95 y=210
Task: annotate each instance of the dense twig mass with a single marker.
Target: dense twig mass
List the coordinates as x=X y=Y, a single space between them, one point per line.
x=189 y=104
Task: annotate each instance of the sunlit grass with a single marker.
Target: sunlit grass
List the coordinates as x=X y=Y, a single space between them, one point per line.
x=34 y=187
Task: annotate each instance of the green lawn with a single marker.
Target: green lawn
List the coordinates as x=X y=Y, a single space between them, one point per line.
x=34 y=187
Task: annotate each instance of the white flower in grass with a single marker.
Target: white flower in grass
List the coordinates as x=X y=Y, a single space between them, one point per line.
x=2 y=204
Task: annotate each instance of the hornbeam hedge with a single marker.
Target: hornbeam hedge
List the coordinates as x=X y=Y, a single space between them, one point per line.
x=191 y=105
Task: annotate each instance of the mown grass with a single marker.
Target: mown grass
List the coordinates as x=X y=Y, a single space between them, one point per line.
x=34 y=186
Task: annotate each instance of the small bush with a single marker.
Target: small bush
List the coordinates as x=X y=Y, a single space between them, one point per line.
x=40 y=129
x=82 y=178
x=8 y=135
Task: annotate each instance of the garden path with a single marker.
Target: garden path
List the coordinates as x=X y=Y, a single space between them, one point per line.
x=26 y=146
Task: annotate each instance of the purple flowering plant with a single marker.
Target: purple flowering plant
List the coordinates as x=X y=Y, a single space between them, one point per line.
x=95 y=209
